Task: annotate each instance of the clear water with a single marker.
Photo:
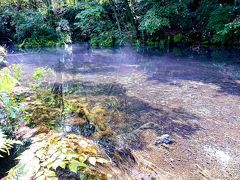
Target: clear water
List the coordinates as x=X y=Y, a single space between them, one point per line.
x=149 y=92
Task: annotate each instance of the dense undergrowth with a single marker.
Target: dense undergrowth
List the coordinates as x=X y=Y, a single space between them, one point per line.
x=114 y=23
x=35 y=118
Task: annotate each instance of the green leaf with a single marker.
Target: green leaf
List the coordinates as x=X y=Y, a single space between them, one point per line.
x=82 y=176
x=73 y=166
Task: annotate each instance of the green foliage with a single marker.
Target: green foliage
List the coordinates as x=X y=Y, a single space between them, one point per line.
x=178 y=38
x=219 y=18
x=221 y=24
x=6 y=144
x=39 y=42
x=158 y=17
x=17 y=73
x=7 y=28
x=64 y=31
x=39 y=75
x=152 y=21
x=10 y=106
x=34 y=24
x=33 y=29
x=7 y=81
x=204 y=11
x=12 y=113
x=230 y=34
x=102 y=40
x=93 y=20
x=50 y=151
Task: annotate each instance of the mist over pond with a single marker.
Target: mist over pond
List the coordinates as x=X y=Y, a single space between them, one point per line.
x=148 y=92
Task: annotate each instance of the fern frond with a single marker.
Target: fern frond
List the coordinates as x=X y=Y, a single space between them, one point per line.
x=6 y=144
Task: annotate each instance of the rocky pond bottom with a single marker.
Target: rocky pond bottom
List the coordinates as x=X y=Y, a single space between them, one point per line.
x=141 y=114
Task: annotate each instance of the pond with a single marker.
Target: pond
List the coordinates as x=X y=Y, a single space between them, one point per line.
x=192 y=98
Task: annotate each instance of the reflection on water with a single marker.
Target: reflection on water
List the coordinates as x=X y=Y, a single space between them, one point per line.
x=221 y=156
x=133 y=96
x=216 y=66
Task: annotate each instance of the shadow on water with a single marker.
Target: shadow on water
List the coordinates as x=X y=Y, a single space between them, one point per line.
x=81 y=71
x=130 y=115
x=159 y=66
x=223 y=76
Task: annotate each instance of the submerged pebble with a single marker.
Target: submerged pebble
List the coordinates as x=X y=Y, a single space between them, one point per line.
x=108 y=146
x=164 y=139
x=88 y=130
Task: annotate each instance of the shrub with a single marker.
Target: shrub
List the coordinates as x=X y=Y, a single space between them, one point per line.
x=105 y=39
x=94 y=24
x=230 y=34
x=7 y=27
x=219 y=18
x=52 y=152
x=33 y=30
x=164 y=15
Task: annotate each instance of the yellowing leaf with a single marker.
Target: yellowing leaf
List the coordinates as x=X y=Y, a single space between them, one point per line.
x=40 y=173
x=72 y=136
x=82 y=157
x=57 y=163
x=52 y=178
x=42 y=177
x=40 y=153
x=62 y=156
x=91 y=150
x=50 y=173
x=71 y=156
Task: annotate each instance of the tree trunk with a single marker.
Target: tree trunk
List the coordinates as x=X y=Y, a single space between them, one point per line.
x=115 y=14
x=131 y=16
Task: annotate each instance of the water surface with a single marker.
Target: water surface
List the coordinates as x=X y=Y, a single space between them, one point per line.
x=192 y=96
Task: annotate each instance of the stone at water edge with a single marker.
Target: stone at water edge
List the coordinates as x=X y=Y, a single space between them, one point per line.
x=164 y=139
x=3 y=63
x=21 y=91
x=3 y=53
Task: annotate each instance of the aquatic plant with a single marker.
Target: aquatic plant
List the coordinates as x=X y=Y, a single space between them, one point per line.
x=39 y=75
x=54 y=152
x=94 y=115
x=40 y=113
x=6 y=144
x=17 y=72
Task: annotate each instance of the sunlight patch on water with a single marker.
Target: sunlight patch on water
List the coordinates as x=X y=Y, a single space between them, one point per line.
x=222 y=157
